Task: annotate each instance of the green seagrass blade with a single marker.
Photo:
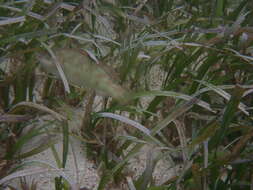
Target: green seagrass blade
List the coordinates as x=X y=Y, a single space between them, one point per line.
x=81 y=71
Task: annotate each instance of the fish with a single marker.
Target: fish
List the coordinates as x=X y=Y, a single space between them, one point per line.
x=82 y=71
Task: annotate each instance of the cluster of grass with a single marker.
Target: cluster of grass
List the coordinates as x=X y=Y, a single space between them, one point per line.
x=199 y=114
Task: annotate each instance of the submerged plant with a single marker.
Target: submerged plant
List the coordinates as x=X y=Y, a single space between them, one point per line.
x=189 y=64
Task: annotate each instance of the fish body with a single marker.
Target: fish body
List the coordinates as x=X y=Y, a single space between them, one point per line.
x=81 y=71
